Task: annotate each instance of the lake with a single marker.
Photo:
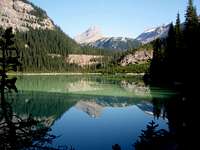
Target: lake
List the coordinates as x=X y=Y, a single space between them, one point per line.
x=89 y=112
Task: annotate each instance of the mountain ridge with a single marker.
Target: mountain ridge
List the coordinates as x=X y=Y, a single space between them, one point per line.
x=152 y=34
x=38 y=39
x=93 y=37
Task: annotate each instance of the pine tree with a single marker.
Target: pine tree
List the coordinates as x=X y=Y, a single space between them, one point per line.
x=178 y=53
x=178 y=32
x=191 y=21
x=191 y=25
x=178 y=47
x=170 y=42
x=9 y=61
x=169 y=55
x=157 y=61
x=178 y=23
x=190 y=52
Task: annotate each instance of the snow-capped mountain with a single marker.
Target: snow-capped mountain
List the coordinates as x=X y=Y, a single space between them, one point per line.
x=153 y=33
x=116 y=43
x=93 y=37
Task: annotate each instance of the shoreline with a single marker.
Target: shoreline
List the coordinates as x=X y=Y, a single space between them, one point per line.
x=53 y=74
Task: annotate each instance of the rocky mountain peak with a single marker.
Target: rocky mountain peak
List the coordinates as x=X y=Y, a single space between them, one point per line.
x=94 y=38
x=90 y=35
x=93 y=30
x=153 y=33
x=22 y=15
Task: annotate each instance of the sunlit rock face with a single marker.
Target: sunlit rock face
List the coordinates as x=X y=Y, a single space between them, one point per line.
x=22 y=15
x=138 y=57
x=83 y=60
x=91 y=35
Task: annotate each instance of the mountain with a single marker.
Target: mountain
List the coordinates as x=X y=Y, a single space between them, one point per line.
x=116 y=43
x=157 y=32
x=153 y=33
x=22 y=15
x=43 y=46
x=93 y=37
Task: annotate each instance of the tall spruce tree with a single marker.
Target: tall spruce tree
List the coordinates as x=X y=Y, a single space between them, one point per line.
x=178 y=32
x=170 y=43
x=190 y=52
x=9 y=61
x=169 y=55
x=191 y=26
x=178 y=48
x=191 y=21
x=157 y=62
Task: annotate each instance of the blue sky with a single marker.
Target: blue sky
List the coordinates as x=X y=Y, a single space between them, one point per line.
x=114 y=17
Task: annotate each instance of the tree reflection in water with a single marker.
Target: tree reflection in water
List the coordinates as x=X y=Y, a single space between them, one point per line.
x=17 y=132
x=178 y=110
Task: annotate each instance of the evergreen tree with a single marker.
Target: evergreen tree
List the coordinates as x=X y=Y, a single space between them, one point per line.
x=169 y=55
x=178 y=54
x=178 y=23
x=170 y=43
x=190 y=51
x=9 y=61
x=191 y=26
x=178 y=32
x=191 y=21
x=157 y=61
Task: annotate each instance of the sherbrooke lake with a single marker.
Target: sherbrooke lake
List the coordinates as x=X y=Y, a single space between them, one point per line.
x=89 y=112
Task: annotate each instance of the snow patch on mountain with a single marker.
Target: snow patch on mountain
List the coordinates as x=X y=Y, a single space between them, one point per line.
x=116 y=43
x=94 y=38
x=153 y=33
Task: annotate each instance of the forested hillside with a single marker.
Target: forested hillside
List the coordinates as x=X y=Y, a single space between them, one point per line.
x=44 y=49
x=43 y=46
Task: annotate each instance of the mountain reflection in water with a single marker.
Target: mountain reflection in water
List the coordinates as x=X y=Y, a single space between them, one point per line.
x=83 y=110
